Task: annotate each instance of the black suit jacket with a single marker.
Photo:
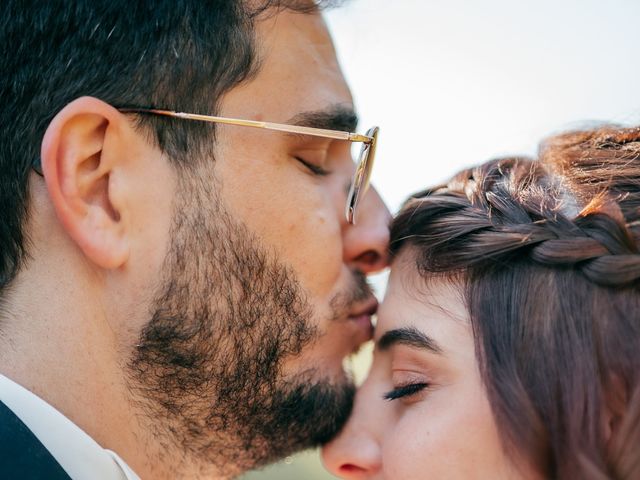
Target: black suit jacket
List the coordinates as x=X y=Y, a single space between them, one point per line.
x=22 y=455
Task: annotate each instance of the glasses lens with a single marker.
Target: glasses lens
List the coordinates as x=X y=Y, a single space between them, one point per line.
x=361 y=178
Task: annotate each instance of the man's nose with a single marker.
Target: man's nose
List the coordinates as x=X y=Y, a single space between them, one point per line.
x=366 y=243
x=355 y=453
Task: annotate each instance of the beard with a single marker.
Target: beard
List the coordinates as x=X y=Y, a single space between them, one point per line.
x=208 y=367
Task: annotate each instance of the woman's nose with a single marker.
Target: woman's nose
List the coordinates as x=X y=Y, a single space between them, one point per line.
x=352 y=457
x=355 y=453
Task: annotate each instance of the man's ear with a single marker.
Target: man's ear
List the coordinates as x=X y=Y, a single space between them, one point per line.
x=82 y=151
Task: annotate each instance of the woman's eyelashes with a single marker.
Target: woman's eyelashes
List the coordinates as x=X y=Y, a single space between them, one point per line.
x=406 y=391
x=410 y=378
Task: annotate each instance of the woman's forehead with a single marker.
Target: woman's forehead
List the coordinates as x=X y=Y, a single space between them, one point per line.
x=433 y=305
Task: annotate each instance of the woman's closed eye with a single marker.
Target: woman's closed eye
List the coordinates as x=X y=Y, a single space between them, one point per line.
x=410 y=384
x=406 y=391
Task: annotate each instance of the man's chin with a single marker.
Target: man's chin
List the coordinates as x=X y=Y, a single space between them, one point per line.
x=303 y=414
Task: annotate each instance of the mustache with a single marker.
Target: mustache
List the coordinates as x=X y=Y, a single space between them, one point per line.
x=360 y=290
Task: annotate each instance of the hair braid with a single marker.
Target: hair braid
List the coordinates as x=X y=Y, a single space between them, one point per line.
x=513 y=207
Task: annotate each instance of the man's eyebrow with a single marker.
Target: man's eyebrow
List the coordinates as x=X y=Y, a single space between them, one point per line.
x=409 y=336
x=337 y=117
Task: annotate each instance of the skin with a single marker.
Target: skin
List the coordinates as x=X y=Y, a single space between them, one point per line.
x=445 y=430
x=100 y=230
x=299 y=77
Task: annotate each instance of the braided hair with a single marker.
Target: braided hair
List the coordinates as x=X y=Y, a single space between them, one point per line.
x=547 y=255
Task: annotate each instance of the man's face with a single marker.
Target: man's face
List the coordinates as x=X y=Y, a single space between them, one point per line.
x=263 y=292
x=295 y=213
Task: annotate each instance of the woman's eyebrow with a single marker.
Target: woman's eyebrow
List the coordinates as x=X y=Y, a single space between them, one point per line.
x=409 y=336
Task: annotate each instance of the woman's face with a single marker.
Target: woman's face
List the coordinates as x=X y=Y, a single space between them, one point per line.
x=422 y=413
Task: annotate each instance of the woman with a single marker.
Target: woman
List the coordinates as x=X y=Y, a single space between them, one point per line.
x=508 y=344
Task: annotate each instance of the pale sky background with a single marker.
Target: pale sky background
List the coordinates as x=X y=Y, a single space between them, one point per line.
x=452 y=83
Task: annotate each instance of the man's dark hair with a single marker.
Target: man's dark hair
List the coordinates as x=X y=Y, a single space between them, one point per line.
x=547 y=257
x=180 y=55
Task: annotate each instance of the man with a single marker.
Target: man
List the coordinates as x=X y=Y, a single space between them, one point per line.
x=177 y=295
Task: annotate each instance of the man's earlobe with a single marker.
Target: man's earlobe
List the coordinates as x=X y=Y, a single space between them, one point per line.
x=81 y=155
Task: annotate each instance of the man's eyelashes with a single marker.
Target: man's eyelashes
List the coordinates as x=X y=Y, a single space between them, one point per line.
x=313 y=168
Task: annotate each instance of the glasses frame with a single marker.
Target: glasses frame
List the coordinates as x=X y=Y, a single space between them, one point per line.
x=364 y=166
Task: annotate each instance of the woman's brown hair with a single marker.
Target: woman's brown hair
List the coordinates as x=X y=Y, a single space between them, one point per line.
x=547 y=254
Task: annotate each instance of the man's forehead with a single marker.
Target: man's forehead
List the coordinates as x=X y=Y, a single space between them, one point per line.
x=287 y=25
x=297 y=71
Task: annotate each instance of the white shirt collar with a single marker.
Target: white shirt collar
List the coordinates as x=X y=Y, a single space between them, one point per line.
x=78 y=454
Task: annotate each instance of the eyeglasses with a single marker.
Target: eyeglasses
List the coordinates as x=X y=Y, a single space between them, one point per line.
x=362 y=176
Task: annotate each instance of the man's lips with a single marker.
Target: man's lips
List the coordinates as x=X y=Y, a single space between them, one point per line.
x=370 y=307
x=361 y=319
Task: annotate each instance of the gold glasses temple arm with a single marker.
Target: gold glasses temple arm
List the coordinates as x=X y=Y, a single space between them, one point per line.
x=281 y=127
